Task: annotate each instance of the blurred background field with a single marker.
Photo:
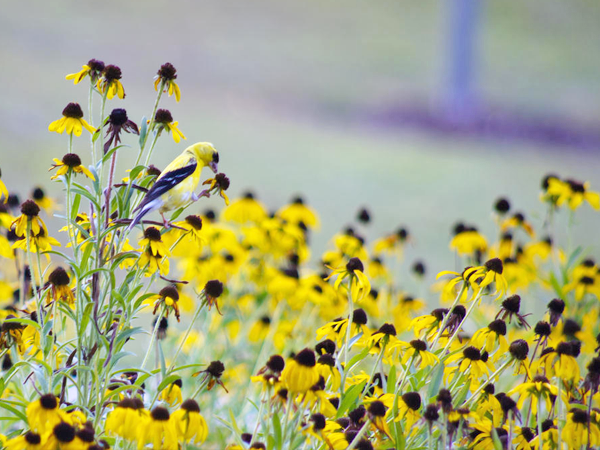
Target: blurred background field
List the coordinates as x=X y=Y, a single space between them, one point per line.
x=348 y=102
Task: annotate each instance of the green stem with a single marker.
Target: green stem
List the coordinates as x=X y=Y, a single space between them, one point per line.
x=447 y=316
x=359 y=435
x=488 y=381
x=187 y=333
x=474 y=302
x=152 y=338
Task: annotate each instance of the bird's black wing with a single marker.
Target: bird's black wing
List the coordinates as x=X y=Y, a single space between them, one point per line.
x=168 y=182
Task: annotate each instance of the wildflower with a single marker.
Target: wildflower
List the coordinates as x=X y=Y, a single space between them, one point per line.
x=510 y=308
x=245 y=209
x=219 y=184
x=43 y=201
x=169 y=298
x=213 y=289
x=297 y=212
x=189 y=423
x=363 y=216
x=492 y=338
x=213 y=374
x=72 y=121
x=327 y=369
x=337 y=328
x=93 y=68
x=164 y=120
x=44 y=413
x=59 y=281
x=489 y=404
x=467 y=240
x=63 y=436
x=493 y=273
x=469 y=276
x=430 y=322
x=159 y=431
x=154 y=253
x=519 y=350
x=573 y=193
x=579 y=428
x=409 y=405
x=126 y=418
x=300 y=373
x=417 y=349
x=471 y=359
x=27 y=441
x=518 y=221
x=118 y=122
x=502 y=206
x=359 y=283
x=538 y=389
x=29 y=216
x=592 y=379
x=555 y=309
x=485 y=435
x=560 y=362
x=260 y=329
x=523 y=438
x=392 y=242
x=70 y=162
x=191 y=226
x=110 y=82
x=171 y=395
x=376 y=414
x=583 y=285
x=167 y=74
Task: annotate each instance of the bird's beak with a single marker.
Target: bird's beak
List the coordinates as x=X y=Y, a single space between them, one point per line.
x=213 y=166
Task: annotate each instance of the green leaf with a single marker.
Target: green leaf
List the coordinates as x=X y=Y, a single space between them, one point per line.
x=24 y=322
x=391 y=381
x=143 y=130
x=167 y=381
x=349 y=398
x=136 y=171
x=111 y=151
x=15 y=411
x=75 y=207
x=436 y=380
x=277 y=434
x=555 y=285
x=356 y=359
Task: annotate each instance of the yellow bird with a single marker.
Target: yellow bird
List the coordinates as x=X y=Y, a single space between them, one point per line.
x=175 y=186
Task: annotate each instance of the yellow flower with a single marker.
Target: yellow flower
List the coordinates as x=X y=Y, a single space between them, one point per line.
x=297 y=212
x=70 y=161
x=300 y=373
x=126 y=419
x=518 y=221
x=27 y=441
x=110 y=82
x=167 y=74
x=219 y=184
x=244 y=210
x=467 y=240
x=578 y=429
x=560 y=362
x=409 y=405
x=189 y=423
x=492 y=273
x=164 y=120
x=538 y=389
x=43 y=201
x=491 y=338
x=59 y=282
x=44 y=413
x=416 y=349
x=72 y=121
x=171 y=395
x=573 y=193
x=93 y=68
x=29 y=215
x=359 y=283
x=159 y=430
x=391 y=243
x=154 y=251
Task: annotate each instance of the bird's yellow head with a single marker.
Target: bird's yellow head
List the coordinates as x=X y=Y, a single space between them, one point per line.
x=205 y=152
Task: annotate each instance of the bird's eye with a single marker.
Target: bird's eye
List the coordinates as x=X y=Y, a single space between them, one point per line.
x=215 y=157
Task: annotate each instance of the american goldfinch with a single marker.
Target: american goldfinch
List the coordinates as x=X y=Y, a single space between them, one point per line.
x=175 y=186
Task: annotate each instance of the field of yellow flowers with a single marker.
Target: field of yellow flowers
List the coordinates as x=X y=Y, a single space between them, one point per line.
x=204 y=331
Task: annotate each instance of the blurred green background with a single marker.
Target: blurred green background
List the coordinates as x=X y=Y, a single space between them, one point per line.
x=298 y=98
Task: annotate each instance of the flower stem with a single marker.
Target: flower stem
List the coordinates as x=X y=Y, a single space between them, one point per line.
x=152 y=338
x=447 y=315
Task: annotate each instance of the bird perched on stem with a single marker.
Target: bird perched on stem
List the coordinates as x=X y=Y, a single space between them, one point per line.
x=175 y=186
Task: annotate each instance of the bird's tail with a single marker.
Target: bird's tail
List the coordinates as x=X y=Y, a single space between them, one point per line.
x=145 y=210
